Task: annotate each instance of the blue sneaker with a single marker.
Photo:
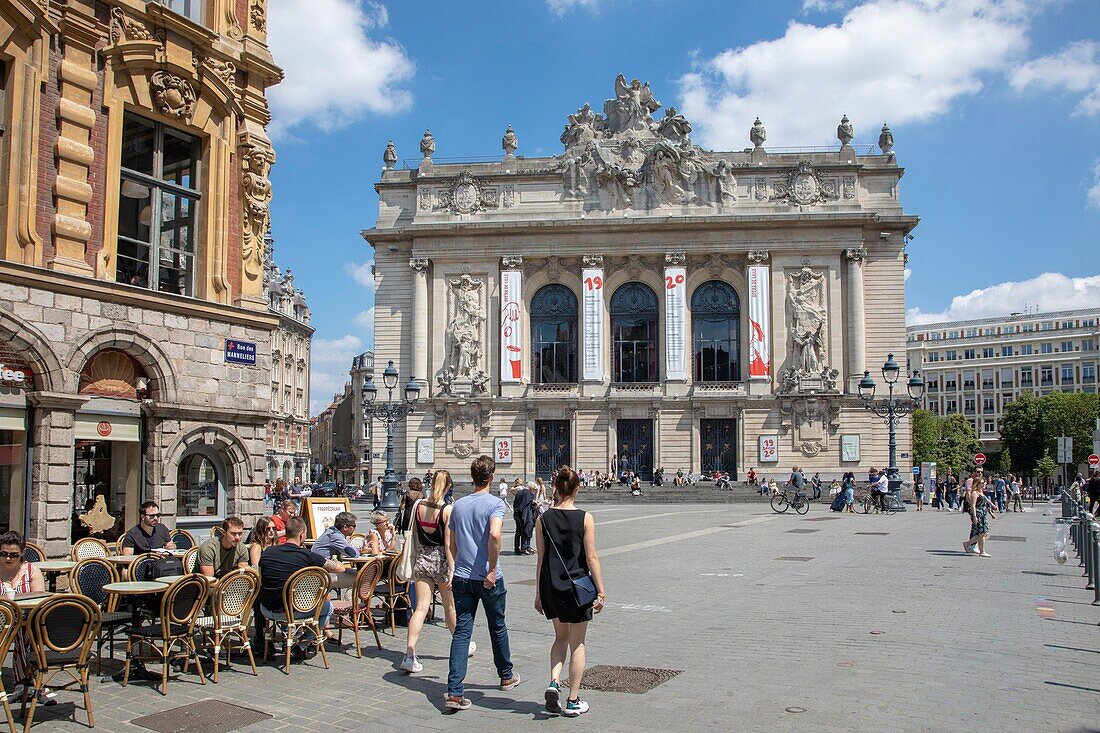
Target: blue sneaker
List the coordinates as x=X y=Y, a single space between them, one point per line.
x=553 y=699
x=573 y=708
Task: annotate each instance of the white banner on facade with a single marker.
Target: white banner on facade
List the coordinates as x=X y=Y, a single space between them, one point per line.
x=592 y=286
x=511 y=331
x=760 y=359
x=675 y=317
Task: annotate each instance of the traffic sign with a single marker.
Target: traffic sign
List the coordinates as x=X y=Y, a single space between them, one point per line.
x=979 y=459
x=1065 y=450
x=1094 y=460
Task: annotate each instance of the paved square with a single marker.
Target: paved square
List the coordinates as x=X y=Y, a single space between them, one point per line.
x=887 y=626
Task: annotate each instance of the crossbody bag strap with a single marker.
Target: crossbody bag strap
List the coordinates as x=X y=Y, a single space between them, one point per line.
x=546 y=531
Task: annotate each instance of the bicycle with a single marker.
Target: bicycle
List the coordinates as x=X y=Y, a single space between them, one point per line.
x=890 y=503
x=799 y=502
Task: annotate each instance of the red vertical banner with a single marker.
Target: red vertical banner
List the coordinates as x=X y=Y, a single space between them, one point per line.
x=511 y=330
x=760 y=359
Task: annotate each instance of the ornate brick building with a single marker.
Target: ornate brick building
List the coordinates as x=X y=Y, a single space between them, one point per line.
x=134 y=198
x=640 y=301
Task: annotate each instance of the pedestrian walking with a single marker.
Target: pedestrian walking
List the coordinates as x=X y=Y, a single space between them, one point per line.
x=570 y=588
x=918 y=494
x=848 y=486
x=1014 y=492
x=999 y=491
x=981 y=509
x=474 y=539
x=523 y=504
x=816 y=483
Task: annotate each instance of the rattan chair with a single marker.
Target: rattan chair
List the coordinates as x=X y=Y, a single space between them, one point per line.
x=232 y=610
x=63 y=629
x=141 y=568
x=33 y=553
x=118 y=545
x=182 y=539
x=11 y=617
x=356 y=613
x=390 y=591
x=89 y=547
x=179 y=608
x=305 y=592
x=191 y=560
x=88 y=578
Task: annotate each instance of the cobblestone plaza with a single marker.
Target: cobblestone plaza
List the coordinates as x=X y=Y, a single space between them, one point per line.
x=862 y=622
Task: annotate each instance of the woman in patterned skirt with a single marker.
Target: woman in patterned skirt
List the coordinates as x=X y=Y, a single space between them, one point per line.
x=21 y=577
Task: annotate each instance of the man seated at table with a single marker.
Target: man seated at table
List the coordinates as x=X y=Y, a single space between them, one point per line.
x=277 y=564
x=220 y=555
x=334 y=540
x=285 y=509
x=149 y=534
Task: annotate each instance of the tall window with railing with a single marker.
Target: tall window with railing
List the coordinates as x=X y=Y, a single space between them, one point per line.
x=716 y=333
x=634 y=333
x=554 y=336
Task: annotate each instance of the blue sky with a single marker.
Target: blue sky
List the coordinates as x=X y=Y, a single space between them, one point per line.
x=994 y=105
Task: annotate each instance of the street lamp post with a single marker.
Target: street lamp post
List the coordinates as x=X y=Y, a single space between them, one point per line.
x=892 y=409
x=390 y=412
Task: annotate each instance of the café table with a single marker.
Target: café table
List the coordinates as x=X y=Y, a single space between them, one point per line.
x=27 y=601
x=53 y=568
x=131 y=590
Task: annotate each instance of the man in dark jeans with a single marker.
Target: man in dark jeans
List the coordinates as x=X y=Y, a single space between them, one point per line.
x=475 y=538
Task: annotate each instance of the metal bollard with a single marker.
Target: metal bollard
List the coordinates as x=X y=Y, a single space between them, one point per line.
x=1086 y=555
x=1096 y=564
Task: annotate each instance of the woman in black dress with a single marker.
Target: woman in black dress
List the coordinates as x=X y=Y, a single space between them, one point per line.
x=566 y=541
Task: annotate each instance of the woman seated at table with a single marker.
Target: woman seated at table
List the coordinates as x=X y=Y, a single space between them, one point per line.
x=263 y=535
x=381 y=537
x=22 y=577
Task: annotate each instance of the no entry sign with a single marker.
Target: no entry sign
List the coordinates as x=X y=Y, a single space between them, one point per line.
x=1094 y=460
x=979 y=459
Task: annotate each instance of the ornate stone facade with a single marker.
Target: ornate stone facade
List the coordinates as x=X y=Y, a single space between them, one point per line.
x=641 y=296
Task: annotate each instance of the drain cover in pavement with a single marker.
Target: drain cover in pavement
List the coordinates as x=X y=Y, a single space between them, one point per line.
x=201 y=717
x=874 y=534
x=796 y=559
x=635 y=680
x=802 y=531
x=1007 y=538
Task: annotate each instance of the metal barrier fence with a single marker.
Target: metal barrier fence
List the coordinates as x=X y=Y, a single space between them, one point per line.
x=1085 y=537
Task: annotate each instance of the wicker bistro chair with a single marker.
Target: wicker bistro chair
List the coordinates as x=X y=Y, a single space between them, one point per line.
x=232 y=608
x=63 y=629
x=141 y=569
x=179 y=608
x=390 y=591
x=11 y=617
x=89 y=547
x=33 y=553
x=88 y=578
x=356 y=613
x=191 y=560
x=305 y=591
x=182 y=539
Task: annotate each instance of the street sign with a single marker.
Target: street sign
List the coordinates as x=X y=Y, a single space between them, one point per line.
x=1094 y=460
x=1065 y=450
x=916 y=470
x=979 y=459
x=240 y=352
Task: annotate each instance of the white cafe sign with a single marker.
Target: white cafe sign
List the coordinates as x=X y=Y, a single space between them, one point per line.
x=12 y=376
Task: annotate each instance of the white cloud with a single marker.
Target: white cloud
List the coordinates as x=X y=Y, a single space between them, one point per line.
x=895 y=60
x=1076 y=68
x=335 y=71
x=1051 y=291
x=825 y=6
x=365 y=321
x=331 y=360
x=907 y=271
x=361 y=273
x=561 y=7
x=1094 y=192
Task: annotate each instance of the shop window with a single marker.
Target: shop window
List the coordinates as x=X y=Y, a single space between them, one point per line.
x=554 y=336
x=13 y=456
x=200 y=485
x=193 y=10
x=634 y=334
x=157 y=207
x=716 y=332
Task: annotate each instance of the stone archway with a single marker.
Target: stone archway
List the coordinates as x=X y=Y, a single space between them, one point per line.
x=49 y=374
x=147 y=353
x=230 y=448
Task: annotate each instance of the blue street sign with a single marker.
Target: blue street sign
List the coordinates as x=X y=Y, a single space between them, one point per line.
x=916 y=470
x=240 y=352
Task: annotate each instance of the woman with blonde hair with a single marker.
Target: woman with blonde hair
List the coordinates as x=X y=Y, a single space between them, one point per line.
x=566 y=540
x=432 y=567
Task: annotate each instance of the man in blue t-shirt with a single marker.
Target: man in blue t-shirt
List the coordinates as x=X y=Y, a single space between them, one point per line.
x=475 y=538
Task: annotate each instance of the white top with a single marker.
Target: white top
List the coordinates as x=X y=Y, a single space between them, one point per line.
x=503 y=488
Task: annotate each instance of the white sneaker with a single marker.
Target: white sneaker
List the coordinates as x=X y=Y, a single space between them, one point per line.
x=573 y=708
x=411 y=665
x=473 y=648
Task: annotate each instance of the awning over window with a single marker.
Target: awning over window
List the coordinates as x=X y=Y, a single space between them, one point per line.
x=11 y=419
x=119 y=428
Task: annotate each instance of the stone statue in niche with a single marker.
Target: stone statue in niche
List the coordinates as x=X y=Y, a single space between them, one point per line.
x=806 y=296
x=461 y=372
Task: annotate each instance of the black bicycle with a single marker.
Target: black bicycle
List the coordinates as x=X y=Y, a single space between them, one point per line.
x=799 y=502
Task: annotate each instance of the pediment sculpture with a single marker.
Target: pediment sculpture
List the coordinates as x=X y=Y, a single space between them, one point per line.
x=624 y=159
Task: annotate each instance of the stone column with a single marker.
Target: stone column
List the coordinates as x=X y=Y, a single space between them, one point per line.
x=50 y=508
x=856 y=325
x=419 y=267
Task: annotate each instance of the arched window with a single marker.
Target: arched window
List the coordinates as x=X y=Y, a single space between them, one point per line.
x=634 y=334
x=716 y=333
x=554 y=336
x=200 y=485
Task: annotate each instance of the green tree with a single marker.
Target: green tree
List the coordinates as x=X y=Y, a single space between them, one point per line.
x=1045 y=467
x=1072 y=415
x=957 y=445
x=926 y=435
x=1004 y=465
x=1022 y=433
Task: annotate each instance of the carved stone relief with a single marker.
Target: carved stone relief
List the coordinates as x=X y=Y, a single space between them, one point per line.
x=257 y=157
x=508 y=196
x=511 y=262
x=592 y=260
x=675 y=258
x=257 y=15
x=760 y=189
x=804 y=186
x=425 y=198
x=810 y=422
x=807 y=370
x=464 y=424
x=467 y=195
x=127 y=29
x=849 y=187
x=173 y=95
x=758 y=256
x=462 y=371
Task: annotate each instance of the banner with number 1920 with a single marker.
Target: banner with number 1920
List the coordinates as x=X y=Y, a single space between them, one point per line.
x=592 y=288
x=675 y=312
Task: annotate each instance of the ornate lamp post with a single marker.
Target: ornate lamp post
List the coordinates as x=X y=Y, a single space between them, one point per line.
x=389 y=412
x=892 y=409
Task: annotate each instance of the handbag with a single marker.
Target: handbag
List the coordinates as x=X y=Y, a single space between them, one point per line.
x=410 y=549
x=584 y=588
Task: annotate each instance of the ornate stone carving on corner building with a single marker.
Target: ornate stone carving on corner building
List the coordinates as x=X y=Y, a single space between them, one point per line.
x=758 y=256
x=760 y=189
x=257 y=157
x=420 y=264
x=466 y=195
x=511 y=262
x=462 y=372
x=224 y=70
x=805 y=186
x=257 y=15
x=173 y=95
x=856 y=254
x=127 y=29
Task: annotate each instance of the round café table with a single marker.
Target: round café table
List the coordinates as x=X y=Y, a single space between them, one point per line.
x=53 y=568
x=30 y=600
x=134 y=587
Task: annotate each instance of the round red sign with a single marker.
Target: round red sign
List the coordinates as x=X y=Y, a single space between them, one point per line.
x=104 y=428
x=1094 y=460
x=979 y=459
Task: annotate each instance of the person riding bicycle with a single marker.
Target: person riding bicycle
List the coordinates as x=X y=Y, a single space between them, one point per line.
x=879 y=488
x=797 y=480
